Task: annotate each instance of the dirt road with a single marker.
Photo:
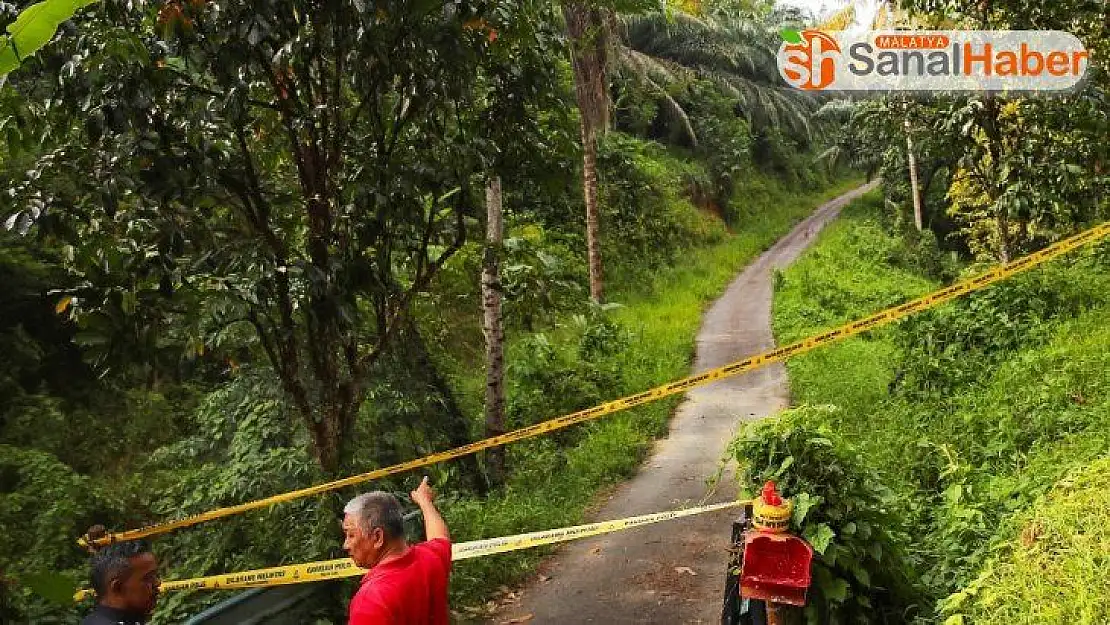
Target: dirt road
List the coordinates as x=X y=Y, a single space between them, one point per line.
x=673 y=572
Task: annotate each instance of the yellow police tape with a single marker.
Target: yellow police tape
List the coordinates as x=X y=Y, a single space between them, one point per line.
x=345 y=567
x=748 y=364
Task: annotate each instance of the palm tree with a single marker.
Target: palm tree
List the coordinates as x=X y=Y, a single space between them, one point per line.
x=858 y=134
x=589 y=28
x=660 y=49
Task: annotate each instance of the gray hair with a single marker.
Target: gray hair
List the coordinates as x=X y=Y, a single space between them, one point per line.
x=377 y=509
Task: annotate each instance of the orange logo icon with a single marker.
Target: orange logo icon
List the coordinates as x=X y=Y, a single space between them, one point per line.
x=809 y=62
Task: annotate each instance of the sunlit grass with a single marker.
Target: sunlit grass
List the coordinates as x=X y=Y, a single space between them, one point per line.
x=1055 y=568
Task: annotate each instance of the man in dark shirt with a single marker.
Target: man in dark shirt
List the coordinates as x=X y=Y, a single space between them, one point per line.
x=125 y=578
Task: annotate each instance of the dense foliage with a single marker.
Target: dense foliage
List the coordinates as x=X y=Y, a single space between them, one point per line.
x=845 y=512
x=999 y=176
x=241 y=253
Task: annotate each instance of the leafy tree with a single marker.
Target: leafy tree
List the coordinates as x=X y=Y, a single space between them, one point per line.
x=281 y=173
x=1030 y=169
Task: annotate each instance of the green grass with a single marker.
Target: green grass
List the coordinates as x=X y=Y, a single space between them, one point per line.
x=980 y=463
x=554 y=485
x=665 y=313
x=1056 y=566
x=844 y=276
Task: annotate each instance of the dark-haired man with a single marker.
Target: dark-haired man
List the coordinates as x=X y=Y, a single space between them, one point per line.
x=406 y=585
x=125 y=578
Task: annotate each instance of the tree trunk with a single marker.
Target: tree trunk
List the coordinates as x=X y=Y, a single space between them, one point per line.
x=994 y=146
x=1002 y=222
x=593 y=243
x=588 y=28
x=914 y=190
x=493 y=331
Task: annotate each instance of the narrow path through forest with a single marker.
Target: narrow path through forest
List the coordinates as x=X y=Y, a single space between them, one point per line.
x=673 y=572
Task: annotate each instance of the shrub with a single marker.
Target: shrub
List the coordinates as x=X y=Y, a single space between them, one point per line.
x=776 y=153
x=841 y=508
x=245 y=445
x=724 y=139
x=644 y=220
x=540 y=277
x=44 y=505
x=545 y=381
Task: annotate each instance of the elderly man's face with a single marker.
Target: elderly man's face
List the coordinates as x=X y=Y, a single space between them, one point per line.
x=365 y=549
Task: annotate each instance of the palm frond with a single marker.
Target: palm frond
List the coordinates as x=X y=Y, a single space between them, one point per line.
x=839 y=111
x=650 y=72
x=738 y=54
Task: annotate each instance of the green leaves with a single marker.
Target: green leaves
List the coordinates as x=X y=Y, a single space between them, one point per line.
x=819 y=537
x=802 y=503
x=737 y=55
x=836 y=590
x=53 y=587
x=840 y=508
x=34 y=27
x=208 y=213
x=43 y=501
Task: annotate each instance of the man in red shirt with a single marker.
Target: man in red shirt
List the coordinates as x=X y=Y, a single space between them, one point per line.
x=406 y=585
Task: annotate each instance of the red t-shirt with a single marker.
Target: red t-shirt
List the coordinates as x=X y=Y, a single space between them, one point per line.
x=410 y=590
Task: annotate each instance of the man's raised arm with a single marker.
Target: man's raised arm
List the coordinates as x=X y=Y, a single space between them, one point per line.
x=434 y=525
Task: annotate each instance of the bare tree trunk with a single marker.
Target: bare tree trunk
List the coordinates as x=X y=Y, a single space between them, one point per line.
x=588 y=27
x=593 y=242
x=887 y=10
x=914 y=189
x=493 y=331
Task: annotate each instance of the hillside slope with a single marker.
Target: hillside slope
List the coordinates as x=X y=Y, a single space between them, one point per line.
x=982 y=416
